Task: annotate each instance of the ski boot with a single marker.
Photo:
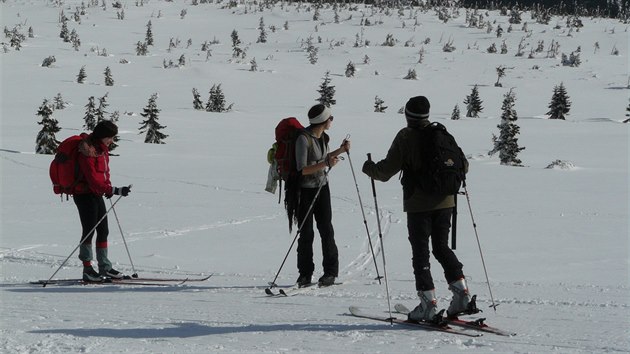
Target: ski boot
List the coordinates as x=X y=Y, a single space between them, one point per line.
x=90 y=275
x=426 y=311
x=462 y=303
x=303 y=281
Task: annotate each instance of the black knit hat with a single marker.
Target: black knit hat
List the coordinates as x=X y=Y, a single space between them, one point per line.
x=105 y=129
x=417 y=108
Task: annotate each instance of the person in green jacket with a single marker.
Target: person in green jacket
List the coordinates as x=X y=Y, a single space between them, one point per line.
x=428 y=217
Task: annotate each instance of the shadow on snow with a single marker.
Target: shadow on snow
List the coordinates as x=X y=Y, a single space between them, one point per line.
x=191 y=329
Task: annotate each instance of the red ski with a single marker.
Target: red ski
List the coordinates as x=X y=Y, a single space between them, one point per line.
x=355 y=311
x=477 y=324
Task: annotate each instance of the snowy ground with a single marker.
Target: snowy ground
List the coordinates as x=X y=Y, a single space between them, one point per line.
x=555 y=241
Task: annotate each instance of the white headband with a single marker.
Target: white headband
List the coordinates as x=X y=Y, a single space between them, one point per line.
x=322 y=117
x=413 y=115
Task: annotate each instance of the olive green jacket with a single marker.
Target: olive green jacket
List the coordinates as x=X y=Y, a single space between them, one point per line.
x=405 y=155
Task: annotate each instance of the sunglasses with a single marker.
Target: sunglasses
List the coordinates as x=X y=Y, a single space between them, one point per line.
x=331 y=118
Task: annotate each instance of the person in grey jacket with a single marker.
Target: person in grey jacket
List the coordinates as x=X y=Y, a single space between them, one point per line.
x=428 y=216
x=313 y=159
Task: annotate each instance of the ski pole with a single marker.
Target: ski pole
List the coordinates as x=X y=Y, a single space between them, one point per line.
x=273 y=284
x=81 y=242
x=494 y=306
x=380 y=236
x=378 y=276
x=135 y=274
x=454 y=228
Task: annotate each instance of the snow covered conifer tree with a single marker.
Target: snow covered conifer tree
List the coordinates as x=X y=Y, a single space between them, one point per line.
x=141 y=48
x=456 y=114
x=47 y=62
x=149 y=36
x=100 y=111
x=237 y=52
x=150 y=124
x=473 y=103
x=76 y=41
x=500 y=74
x=90 y=115
x=378 y=105
x=197 y=103
x=59 y=103
x=560 y=104
x=262 y=37
x=64 y=34
x=316 y=14
x=506 y=144
x=311 y=51
x=46 y=143
x=81 y=77
x=109 y=80
x=350 y=69
x=114 y=118
x=411 y=75
x=326 y=92
x=216 y=101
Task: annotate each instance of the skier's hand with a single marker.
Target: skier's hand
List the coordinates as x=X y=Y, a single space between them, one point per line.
x=345 y=145
x=123 y=191
x=367 y=166
x=331 y=160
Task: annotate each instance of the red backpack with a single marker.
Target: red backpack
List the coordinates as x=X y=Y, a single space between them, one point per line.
x=64 y=169
x=283 y=153
x=287 y=131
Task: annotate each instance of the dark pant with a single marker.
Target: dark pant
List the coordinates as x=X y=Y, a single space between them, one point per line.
x=91 y=210
x=322 y=212
x=434 y=224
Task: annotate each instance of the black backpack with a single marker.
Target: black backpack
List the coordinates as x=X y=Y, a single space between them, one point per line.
x=443 y=162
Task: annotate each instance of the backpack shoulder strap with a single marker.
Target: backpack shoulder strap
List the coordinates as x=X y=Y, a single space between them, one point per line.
x=309 y=138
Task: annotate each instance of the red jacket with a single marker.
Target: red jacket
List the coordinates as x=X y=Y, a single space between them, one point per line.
x=94 y=166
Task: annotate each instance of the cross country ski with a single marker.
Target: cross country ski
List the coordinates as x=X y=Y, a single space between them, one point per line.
x=124 y=281
x=357 y=312
x=477 y=324
x=297 y=290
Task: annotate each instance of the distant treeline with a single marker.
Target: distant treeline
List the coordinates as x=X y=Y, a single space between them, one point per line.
x=598 y=8
x=602 y=8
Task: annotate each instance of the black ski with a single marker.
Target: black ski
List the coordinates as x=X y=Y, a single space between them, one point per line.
x=355 y=311
x=295 y=290
x=188 y=279
x=477 y=324
x=126 y=279
x=105 y=282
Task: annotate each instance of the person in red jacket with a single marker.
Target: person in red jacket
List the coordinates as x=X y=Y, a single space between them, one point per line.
x=94 y=183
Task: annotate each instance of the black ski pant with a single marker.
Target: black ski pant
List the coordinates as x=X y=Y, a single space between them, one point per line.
x=91 y=210
x=435 y=225
x=322 y=212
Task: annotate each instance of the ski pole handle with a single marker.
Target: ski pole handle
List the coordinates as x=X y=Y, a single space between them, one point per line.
x=369 y=155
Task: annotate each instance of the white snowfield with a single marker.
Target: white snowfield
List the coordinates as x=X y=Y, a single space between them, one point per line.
x=554 y=240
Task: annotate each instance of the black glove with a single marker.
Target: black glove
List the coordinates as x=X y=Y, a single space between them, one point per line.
x=367 y=165
x=124 y=191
